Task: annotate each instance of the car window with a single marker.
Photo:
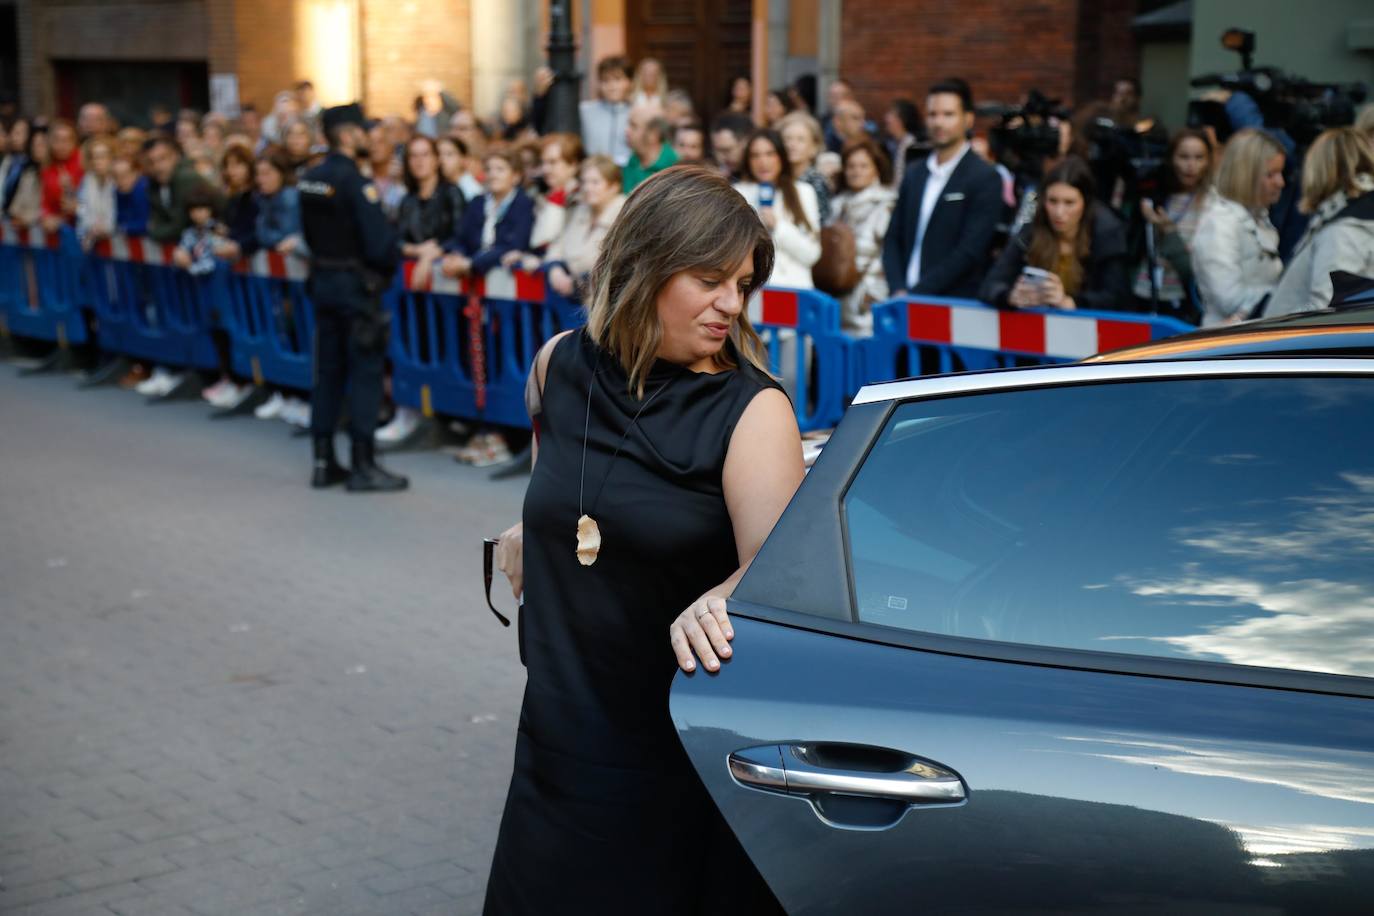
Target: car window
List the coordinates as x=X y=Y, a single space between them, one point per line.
x=1226 y=520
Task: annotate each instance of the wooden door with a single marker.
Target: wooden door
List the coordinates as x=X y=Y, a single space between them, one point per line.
x=703 y=44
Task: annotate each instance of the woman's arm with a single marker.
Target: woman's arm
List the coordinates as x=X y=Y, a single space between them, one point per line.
x=510 y=552
x=763 y=468
x=802 y=246
x=996 y=288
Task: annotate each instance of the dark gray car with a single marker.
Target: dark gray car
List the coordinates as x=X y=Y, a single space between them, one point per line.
x=1095 y=638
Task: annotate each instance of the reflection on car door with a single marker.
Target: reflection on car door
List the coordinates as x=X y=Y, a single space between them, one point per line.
x=880 y=770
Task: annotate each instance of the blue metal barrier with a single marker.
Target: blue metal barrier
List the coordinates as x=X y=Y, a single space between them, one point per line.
x=270 y=320
x=801 y=329
x=42 y=288
x=151 y=310
x=930 y=334
x=465 y=348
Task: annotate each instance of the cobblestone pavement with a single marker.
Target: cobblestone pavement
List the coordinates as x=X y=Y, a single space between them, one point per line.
x=224 y=693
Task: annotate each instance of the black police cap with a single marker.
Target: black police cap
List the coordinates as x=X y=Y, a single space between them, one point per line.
x=342 y=114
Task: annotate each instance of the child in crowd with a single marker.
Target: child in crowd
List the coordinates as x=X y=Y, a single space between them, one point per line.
x=195 y=252
x=95 y=199
x=131 y=197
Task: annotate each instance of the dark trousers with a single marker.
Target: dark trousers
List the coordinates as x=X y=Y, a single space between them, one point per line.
x=350 y=351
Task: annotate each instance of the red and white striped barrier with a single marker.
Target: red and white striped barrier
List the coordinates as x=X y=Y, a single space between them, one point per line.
x=135 y=248
x=498 y=283
x=28 y=236
x=776 y=307
x=1067 y=336
x=274 y=265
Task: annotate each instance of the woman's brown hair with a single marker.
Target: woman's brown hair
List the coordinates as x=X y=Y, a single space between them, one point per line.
x=787 y=182
x=407 y=176
x=606 y=166
x=684 y=218
x=1332 y=164
x=1043 y=250
x=1171 y=182
x=278 y=158
x=236 y=152
x=507 y=154
x=875 y=152
x=569 y=146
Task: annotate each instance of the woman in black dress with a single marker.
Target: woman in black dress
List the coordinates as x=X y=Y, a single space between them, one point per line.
x=665 y=454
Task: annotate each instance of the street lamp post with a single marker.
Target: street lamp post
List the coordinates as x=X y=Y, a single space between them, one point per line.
x=563 y=95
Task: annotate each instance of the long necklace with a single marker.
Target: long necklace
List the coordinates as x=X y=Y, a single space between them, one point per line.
x=588 y=532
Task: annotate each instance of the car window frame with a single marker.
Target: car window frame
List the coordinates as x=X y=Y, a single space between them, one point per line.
x=890 y=396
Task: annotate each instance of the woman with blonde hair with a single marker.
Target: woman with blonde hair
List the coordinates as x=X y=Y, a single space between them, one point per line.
x=1236 y=247
x=571 y=257
x=650 y=84
x=805 y=141
x=665 y=453
x=1337 y=178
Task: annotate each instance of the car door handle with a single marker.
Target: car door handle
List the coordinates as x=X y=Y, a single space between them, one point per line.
x=810 y=769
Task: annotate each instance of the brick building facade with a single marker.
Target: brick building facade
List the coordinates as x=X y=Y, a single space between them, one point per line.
x=380 y=50
x=1068 y=49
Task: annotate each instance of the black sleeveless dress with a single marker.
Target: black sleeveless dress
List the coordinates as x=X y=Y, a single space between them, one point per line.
x=605 y=813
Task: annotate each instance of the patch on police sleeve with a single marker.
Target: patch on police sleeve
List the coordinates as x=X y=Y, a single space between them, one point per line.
x=370 y=192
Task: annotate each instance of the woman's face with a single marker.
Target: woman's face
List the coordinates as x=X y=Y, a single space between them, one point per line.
x=1064 y=206
x=298 y=140
x=420 y=157
x=236 y=173
x=500 y=177
x=63 y=142
x=187 y=132
x=100 y=160
x=41 y=152
x=892 y=124
x=860 y=170
x=19 y=136
x=125 y=175
x=764 y=162
x=801 y=149
x=269 y=179
x=773 y=109
x=596 y=190
x=558 y=172
x=650 y=75
x=741 y=89
x=1271 y=180
x=511 y=111
x=451 y=163
x=1190 y=163
x=696 y=312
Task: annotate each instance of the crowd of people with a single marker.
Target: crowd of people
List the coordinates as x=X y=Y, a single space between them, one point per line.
x=912 y=202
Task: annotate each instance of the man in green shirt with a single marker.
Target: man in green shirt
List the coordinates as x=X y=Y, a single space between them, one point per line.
x=647 y=134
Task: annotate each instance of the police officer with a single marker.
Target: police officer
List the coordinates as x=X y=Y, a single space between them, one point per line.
x=354 y=253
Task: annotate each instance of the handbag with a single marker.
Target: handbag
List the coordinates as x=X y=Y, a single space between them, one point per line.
x=837 y=272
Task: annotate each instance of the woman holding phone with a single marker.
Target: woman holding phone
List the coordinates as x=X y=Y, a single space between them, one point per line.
x=787 y=207
x=1072 y=255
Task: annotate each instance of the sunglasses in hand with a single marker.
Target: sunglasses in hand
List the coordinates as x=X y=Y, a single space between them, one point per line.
x=488 y=556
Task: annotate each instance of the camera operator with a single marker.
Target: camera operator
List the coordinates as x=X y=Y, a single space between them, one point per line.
x=1160 y=248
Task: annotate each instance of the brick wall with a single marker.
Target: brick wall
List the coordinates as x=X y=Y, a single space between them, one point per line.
x=265 y=32
x=1065 y=48
x=407 y=42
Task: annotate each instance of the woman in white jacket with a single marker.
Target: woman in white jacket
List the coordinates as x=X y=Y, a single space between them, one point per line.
x=1337 y=181
x=1236 y=248
x=786 y=206
x=865 y=205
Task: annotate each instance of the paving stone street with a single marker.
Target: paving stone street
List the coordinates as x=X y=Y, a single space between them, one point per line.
x=222 y=692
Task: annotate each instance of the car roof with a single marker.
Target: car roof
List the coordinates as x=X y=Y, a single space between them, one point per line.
x=1328 y=332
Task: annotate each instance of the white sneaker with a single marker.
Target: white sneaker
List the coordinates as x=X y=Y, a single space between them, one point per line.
x=235 y=396
x=405 y=422
x=169 y=382
x=216 y=391
x=271 y=408
x=296 y=412
x=152 y=384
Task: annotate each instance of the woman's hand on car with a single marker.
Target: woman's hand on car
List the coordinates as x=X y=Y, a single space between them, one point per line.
x=703 y=629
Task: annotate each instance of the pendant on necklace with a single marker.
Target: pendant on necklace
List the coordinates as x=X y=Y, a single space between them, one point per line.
x=588 y=540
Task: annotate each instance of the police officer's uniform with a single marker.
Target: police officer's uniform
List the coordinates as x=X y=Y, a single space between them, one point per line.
x=354 y=253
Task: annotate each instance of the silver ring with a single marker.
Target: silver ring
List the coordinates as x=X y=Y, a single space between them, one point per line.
x=704 y=613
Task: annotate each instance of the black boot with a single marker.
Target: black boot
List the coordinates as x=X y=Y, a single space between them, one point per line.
x=368 y=476
x=327 y=471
